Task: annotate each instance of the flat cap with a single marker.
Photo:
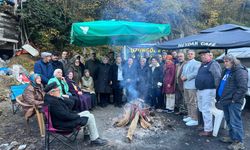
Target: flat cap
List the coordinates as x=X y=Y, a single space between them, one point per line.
x=50 y=86
x=45 y=54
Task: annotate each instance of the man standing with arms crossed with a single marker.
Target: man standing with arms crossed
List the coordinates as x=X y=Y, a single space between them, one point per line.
x=207 y=80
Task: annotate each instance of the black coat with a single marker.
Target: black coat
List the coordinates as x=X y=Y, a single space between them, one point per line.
x=103 y=79
x=129 y=73
x=143 y=77
x=114 y=76
x=155 y=77
x=58 y=65
x=92 y=66
x=61 y=113
x=235 y=87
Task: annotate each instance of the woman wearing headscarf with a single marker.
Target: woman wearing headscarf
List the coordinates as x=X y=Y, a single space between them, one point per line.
x=169 y=83
x=61 y=82
x=33 y=95
x=64 y=88
x=88 y=86
x=76 y=69
x=75 y=90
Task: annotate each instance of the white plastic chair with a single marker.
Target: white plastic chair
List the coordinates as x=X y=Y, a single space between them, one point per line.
x=219 y=115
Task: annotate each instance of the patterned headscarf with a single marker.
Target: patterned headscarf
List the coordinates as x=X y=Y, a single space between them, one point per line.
x=33 y=79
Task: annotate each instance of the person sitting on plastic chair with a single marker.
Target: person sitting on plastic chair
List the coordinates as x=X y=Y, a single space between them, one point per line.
x=32 y=100
x=64 y=118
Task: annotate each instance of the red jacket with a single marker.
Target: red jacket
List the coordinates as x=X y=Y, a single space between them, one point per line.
x=169 y=78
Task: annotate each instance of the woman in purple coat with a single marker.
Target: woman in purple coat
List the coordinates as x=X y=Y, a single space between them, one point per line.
x=74 y=89
x=169 y=83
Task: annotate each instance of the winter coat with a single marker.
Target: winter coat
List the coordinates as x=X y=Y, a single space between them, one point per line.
x=143 y=78
x=33 y=95
x=190 y=70
x=114 y=76
x=88 y=84
x=169 y=78
x=155 y=77
x=66 y=64
x=45 y=70
x=235 y=87
x=103 y=79
x=58 y=65
x=179 y=69
x=61 y=113
x=61 y=85
x=208 y=76
x=129 y=73
x=92 y=66
x=83 y=101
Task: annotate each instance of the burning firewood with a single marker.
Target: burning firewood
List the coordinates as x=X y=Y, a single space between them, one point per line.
x=134 y=111
x=144 y=123
x=133 y=126
x=124 y=120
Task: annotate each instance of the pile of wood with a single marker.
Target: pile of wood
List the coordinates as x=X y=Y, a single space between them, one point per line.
x=134 y=112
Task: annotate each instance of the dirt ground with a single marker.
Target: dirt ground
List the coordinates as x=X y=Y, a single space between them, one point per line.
x=168 y=132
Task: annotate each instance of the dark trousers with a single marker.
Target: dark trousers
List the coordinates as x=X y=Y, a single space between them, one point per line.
x=117 y=93
x=179 y=99
x=156 y=98
x=104 y=98
x=232 y=113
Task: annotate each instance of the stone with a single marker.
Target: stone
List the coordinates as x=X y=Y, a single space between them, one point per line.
x=22 y=147
x=4 y=146
x=14 y=143
x=32 y=147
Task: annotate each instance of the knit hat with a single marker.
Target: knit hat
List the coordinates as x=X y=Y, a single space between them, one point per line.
x=169 y=57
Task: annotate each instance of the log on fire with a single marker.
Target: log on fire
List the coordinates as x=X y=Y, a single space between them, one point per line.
x=134 y=111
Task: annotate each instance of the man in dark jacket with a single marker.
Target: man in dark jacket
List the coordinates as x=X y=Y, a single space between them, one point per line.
x=103 y=83
x=206 y=82
x=155 y=85
x=230 y=95
x=64 y=118
x=129 y=83
x=116 y=77
x=92 y=65
x=44 y=67
x=143 y=79
x=56 y=63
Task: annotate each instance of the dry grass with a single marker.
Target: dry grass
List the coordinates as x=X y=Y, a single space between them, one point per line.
x=26 y=60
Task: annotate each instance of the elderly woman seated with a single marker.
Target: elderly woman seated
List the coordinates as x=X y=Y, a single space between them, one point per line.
x=85 y=99
x=88 y=86
x=64 y=88
x=33 y=95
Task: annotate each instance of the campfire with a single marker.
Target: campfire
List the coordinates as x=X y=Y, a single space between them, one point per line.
x=134 y=112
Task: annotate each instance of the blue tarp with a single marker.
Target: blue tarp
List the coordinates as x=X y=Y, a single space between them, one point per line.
x=221 y=37
x=17 y=90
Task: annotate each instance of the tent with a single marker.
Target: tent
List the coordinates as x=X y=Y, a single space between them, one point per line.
x=221 y=37
x=116 y=33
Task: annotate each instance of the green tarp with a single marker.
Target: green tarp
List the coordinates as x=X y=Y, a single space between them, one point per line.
x=116 y=33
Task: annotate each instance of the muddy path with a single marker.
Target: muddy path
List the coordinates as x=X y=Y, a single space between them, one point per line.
x=167 y=132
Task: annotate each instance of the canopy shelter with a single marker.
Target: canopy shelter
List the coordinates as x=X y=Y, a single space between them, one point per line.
x=116 y=33
x=221 y=37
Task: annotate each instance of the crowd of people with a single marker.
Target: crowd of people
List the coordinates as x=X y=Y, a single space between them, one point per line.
x=172 y=83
